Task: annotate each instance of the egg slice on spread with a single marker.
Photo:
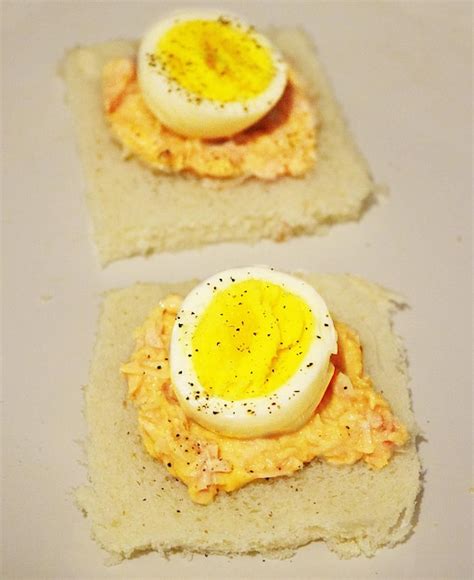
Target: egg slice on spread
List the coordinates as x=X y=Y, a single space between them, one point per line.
x=250 y=352
x=207 y=75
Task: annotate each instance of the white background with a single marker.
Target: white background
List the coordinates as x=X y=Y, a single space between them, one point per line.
x=402 y=72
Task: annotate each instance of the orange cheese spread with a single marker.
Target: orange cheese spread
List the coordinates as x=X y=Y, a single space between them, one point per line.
x=353 y=421
x=282 y=143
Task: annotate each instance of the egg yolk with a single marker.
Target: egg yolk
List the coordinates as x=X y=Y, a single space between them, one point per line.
x=251 y=339
x=215 y=59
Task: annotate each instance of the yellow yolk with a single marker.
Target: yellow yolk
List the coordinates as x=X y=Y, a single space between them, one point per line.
x=251 y=339
x=215 y=59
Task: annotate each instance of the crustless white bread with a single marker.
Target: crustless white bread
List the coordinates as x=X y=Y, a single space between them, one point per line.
x=137 y=211
x=134 y=505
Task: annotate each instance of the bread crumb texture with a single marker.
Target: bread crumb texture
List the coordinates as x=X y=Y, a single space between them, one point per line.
x=137 y=211
x=134 y=505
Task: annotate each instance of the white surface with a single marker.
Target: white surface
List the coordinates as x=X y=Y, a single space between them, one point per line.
x=402 y=72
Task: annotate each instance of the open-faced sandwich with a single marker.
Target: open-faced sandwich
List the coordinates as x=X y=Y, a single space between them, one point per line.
x=251 y=413
x=207 y=131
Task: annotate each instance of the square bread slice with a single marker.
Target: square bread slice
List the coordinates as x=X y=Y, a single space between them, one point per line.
x=137 y=211
x=134 y=505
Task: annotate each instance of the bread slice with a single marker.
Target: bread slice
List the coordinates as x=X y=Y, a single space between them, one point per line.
x=136 y=211
x=135 y=505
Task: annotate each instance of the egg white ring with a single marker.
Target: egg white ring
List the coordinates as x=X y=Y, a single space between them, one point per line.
x=292 y=406
x=191 y=115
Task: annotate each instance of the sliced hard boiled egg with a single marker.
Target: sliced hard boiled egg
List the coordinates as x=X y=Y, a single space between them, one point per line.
x=207 y=75
x=250 y=352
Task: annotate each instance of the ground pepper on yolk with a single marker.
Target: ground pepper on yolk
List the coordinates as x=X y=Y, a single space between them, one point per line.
x=266 y=335
x=353 y=421
x=215 y=59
